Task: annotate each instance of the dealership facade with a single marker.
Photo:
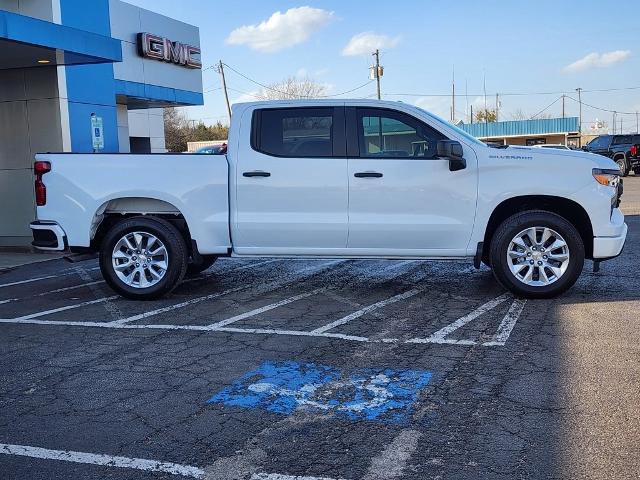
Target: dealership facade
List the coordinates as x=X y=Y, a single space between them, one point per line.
x=83 y=76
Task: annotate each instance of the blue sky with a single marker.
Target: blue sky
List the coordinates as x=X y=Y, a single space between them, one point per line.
x=520 y=47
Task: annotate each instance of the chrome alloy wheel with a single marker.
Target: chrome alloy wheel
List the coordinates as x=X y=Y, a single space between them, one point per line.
x=538 y=256
x=140 y=259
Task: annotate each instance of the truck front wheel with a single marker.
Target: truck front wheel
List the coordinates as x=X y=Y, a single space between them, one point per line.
x=622 y=165
x=537 y=254
x=143 y=258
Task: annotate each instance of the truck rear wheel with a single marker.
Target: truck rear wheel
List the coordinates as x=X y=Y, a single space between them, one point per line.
x=537 y=254
x=143 y=258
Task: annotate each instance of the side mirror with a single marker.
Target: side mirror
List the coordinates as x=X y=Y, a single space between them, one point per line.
x=453 y=151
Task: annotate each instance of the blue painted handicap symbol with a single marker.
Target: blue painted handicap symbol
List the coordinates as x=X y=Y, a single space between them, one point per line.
x=366 y=394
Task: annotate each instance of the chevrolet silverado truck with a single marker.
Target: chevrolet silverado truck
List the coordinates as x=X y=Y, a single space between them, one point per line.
x=334 y=179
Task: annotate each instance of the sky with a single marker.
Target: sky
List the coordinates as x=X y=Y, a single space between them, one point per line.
x=535 y=49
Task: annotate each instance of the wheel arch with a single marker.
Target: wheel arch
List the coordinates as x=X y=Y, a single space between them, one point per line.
x=117 y=209
x=570 y=210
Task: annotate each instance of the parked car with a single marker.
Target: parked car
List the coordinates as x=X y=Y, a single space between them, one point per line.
x=335 y=179
x=213 y=150
x=623 y=149
x=557 y=146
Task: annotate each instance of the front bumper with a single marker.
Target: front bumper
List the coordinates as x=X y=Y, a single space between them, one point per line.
x=48 y=236
x=609 y=247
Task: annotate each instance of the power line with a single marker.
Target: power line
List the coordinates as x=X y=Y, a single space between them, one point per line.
x=267 y=87
x=545 y=108
x=600 y=108
x=510 y=94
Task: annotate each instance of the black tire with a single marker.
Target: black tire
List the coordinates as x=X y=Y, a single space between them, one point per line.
x=194 y=268
x=535 y=218
x=622 y=163
x=636 y=170
x=176 y=254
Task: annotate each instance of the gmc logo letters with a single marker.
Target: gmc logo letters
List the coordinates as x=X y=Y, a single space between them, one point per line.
x=163 y=49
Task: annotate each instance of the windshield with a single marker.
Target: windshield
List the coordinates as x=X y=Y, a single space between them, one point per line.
x=458 y=130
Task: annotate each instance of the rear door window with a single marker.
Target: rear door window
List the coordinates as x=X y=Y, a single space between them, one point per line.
x=622 y=140
x=295 y=132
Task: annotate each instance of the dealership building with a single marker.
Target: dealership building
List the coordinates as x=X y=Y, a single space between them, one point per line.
x=83 y=76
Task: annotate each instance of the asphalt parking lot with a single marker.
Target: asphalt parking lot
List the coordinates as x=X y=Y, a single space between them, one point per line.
x=281 y=369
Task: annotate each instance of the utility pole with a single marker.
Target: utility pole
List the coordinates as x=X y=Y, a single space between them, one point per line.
x=471 y=113
x=466 y=98
x=453 y=96
x=614 y=122
x=579 y=90
x=224 y=87
x=484 y=87
x=563 y=105
x=637 y=131
x=497 y=107
x=376 y=71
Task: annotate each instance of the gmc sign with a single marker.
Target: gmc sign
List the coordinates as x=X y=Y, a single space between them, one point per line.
x=163 y=49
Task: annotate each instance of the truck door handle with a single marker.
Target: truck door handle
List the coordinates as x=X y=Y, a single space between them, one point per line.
x=256 y=173
x=367 y=175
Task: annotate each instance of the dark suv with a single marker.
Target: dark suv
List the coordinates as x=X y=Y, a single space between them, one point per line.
x=623 y=149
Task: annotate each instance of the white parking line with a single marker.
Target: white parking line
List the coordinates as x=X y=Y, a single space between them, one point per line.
x=113 y=461
x=507 y=324
x=37 y=279
x=250 y=331
x=439 y=336
x=169 y=308
x=305 y=272
x=295 y=333
x=66 y=289
x=278 y=476
x=46 y=277
x=57 y=290
x=62 y=309
x=88 y=284
x=101 y=459
x=367 y=309
x=266 y=308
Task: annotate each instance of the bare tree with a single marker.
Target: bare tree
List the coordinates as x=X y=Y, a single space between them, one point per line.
x=292 y=88
x=520 y=114
x=178 y=130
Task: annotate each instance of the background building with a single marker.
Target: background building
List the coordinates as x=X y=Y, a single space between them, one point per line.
x=528 y=132
x=77 y=75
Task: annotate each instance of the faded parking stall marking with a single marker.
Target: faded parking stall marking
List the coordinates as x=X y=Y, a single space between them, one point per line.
x=298 y=320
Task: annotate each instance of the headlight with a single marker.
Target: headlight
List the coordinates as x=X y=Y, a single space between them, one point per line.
x=607 y=177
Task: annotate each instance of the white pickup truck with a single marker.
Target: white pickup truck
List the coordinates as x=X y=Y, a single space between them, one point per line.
x=334 y=179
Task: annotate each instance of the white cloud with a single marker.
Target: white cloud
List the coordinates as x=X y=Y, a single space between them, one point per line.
x=597 y=60
x=366 y=42
x=281 y=30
